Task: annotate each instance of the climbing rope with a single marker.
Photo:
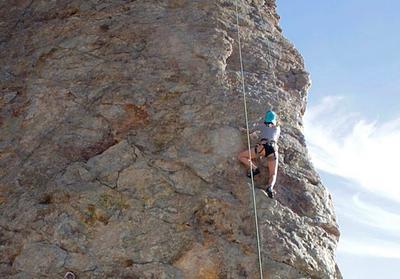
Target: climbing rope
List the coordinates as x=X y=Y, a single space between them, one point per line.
x=248 y=141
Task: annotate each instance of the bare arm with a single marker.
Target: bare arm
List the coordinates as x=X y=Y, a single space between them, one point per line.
x=256 y=127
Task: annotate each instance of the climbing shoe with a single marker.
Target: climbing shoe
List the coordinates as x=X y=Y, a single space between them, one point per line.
x=268 y=192
x=255 y=172
x=69 y=275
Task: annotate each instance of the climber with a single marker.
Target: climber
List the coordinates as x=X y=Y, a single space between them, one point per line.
x=268 y=148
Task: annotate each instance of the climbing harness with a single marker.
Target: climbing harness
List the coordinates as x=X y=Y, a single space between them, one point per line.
x=248 y=141
x=265 y=146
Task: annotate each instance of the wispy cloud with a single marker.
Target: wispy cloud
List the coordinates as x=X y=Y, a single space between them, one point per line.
x=379 y=225
x=364 y=151
x=375 y=216
x=369 y=247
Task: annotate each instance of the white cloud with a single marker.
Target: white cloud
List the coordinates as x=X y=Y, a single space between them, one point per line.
x=364 y=151
x=370 y=215
x=369 y=247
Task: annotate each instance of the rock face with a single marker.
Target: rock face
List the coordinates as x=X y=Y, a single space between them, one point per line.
x=119 y=131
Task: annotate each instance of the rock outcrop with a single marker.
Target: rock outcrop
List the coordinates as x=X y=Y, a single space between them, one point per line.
x=119 y=131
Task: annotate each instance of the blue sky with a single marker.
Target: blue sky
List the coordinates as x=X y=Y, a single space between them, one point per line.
x=352 y=123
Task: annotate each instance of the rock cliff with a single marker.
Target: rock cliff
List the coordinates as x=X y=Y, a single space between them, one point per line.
x=119 y=131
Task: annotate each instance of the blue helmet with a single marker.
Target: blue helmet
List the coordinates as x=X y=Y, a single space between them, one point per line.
x=270 y=116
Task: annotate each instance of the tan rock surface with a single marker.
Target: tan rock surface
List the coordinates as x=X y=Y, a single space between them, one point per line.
x=119 y=131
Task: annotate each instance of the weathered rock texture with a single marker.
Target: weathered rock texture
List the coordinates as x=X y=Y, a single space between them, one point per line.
x=119 y=133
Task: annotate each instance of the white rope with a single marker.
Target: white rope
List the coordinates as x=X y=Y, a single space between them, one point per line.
x=248 y=143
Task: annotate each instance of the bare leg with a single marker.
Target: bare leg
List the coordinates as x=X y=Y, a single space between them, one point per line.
x=244 y=158
x=272 y=165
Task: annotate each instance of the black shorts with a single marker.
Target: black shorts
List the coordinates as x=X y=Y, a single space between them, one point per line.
x=268 y=147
